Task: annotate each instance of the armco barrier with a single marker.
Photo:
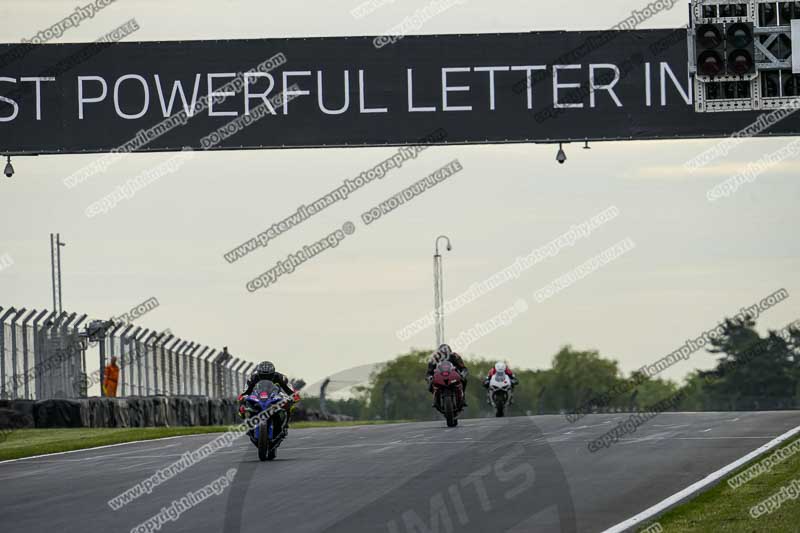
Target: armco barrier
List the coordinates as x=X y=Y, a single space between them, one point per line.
x=132 y=412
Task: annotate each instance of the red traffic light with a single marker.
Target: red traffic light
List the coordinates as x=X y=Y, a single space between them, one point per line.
x=740 y=62
x=710 y=63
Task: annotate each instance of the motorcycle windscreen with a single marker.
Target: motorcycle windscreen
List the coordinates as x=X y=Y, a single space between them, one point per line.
x=264 y=388
x=445 y=366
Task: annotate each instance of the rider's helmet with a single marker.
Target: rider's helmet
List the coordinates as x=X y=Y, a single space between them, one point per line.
x=500 y=367
x=442 y=354
x=265 y=367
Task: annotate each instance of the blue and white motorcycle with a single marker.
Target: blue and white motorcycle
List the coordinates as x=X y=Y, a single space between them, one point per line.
x=271 y=406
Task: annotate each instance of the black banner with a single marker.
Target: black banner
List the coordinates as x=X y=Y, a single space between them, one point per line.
x=354 y=91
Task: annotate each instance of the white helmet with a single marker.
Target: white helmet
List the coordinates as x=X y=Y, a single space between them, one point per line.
x=442 y=353
x=500 y=367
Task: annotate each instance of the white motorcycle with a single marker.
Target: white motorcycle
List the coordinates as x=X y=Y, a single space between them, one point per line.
x=500 y=392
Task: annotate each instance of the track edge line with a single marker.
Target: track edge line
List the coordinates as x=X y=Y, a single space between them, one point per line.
x=692 y=489
x=98 y=447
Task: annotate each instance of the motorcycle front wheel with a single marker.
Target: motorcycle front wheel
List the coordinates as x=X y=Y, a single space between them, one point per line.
x=450 y=411
x=263 y=443
x=275 y=442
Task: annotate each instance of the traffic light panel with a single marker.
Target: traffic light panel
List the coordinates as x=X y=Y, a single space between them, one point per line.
x=725 y=49
x=741 y=54
x=741 y=47
x=710 y=48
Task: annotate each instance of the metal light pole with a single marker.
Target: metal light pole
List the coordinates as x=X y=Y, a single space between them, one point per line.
x=438 y=289
x=55 y=269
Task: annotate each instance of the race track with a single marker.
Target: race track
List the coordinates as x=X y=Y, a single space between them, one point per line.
x=513 y=474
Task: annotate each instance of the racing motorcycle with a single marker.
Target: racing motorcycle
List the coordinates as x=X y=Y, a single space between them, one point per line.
x=271 y=406
x=448 y=392
x=500 y=393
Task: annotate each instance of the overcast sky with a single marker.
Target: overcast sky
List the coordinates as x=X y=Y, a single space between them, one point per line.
x=694 y=262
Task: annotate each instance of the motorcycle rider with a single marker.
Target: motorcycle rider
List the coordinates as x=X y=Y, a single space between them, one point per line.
x=265 y=371
x=500 y=368
x=445 y=353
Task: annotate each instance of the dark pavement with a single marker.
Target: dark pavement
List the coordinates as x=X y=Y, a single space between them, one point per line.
x=512 y=474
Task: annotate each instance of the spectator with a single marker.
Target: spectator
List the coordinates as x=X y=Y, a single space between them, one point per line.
x=110 y=378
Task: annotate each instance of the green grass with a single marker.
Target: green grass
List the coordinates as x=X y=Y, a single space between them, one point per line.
x=28 y=442
x=723 y=509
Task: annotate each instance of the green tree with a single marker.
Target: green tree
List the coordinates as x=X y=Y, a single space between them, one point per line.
x=697 y=396
x=576 y=377
x=398 y=391
x=753 y=372
x=653 y=391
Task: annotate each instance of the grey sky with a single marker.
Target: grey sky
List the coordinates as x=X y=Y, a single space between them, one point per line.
x=694 y=263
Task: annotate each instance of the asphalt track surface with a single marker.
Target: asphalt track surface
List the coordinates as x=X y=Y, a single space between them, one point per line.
x=512 y=474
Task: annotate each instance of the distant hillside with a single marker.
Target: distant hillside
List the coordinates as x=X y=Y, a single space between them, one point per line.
x=342 y=382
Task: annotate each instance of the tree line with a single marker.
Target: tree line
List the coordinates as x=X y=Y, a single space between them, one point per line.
x=751 y=373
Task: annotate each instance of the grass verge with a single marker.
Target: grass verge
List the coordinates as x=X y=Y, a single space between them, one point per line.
x=723 y=509
x=28 y=442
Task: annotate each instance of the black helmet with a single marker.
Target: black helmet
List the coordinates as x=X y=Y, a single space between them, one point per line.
x=265 y=367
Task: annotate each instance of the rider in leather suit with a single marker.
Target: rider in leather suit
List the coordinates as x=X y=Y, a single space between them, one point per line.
x=265 y=371
x=445 y=353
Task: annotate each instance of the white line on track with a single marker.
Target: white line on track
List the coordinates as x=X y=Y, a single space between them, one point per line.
x=710 y=479
x=117 y=456
x=83 y=459
x=54 y=454
x=103 y=447
x=134 y=465
x=731 y=437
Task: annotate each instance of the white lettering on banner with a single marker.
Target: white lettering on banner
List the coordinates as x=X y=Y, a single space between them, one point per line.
x=177 y=89
x=451 y=89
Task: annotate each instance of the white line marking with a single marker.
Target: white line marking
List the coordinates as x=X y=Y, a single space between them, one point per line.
x=662 y=435
x=124 y=455
x=379 y=450
x=63 y=461
x=103 y=447
x=761 y=437
x=135 y=465
x=161 y=439
x=706 y=481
